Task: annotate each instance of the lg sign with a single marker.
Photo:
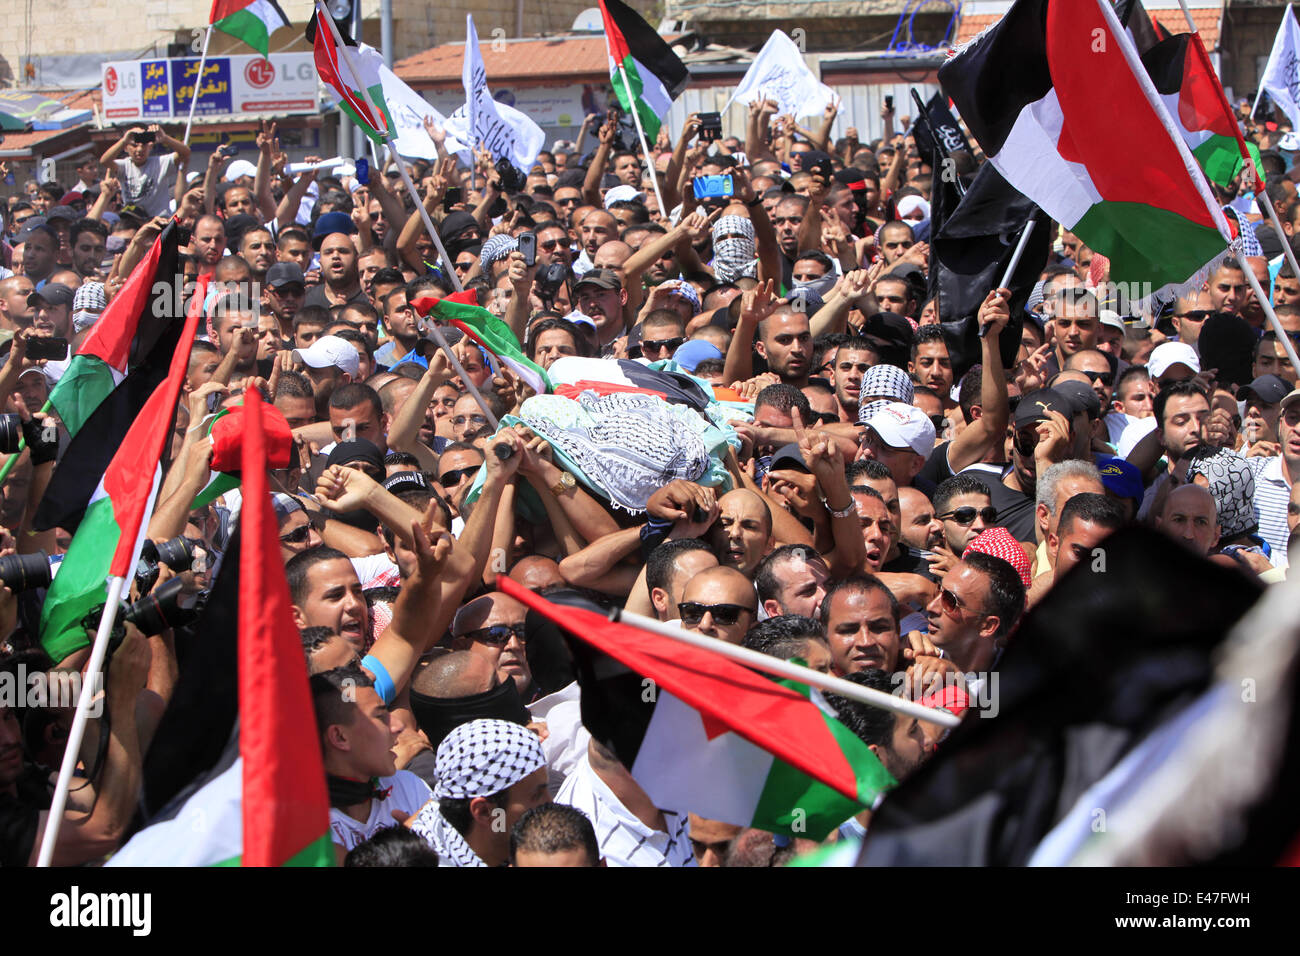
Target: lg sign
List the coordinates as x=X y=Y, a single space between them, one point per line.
x=110 y=81
x=259 y=74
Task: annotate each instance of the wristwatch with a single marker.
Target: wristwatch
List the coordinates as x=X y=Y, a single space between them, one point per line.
x=566 y=482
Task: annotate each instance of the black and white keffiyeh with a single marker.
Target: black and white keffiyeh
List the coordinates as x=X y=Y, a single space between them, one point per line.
x=1232 y=484
x=450 y=846
x=484 y=757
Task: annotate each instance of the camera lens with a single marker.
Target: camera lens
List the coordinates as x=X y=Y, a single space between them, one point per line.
x=11 y=429
x=163 y=608
x=21 y=572
x=177 y=554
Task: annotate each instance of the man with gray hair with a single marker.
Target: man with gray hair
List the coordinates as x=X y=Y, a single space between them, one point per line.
x=1057 y=485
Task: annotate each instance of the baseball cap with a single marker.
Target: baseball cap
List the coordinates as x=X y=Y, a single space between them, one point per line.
x=405 y=481
x=132 y=214
x=576 y=316
x=1121 y=478
x=1081 y=397
x=690 y=354
x=1165 y=356
x=1269 y=388
x=283 y=274
x=1291 y=399
x=601 y=279
x=788 y=456
x=903 y=426
x=887 y=381
x=330 y=350
x=1112 y=318
x=1034 y=406
x=331 y=223
x=240 y=167
x=66 y=213
x=623 y=193
x=52 y=293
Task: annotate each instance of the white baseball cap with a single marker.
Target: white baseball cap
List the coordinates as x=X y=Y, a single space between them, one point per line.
x=623 y=193
x=1112 y=318
x=1163 y=357
x=240 y=167
x=331 y=350
x=903 y=426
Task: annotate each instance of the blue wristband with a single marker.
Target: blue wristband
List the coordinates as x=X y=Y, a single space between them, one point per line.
x=384 y=685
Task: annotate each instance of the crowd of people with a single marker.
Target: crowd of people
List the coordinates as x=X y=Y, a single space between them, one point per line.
x=760 y=427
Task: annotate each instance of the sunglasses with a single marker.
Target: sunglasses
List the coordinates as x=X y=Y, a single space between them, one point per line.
x=551 y=244
x=498 y=635
x=460 y=421
x=967 y=515
x=1026 y=442
x=297 y=535
x=1196 y=315
x=656 y=344
x=951 y=604
x=449 y=479
x=1106 y=378
x=826 y=418
x=376 y=216
x=723 y=614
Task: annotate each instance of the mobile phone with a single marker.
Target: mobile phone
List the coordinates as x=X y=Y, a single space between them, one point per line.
x=714 y=187
x=889 y=103
x=42 y=347
x=710 y=127
x=146 y=137
x=226 y=150
x=528 y=246
x=453 y=197
x=363 y=171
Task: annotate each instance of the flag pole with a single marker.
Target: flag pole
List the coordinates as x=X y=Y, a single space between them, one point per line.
x=794 y=672
x=1011 y=266
x=89 y=688
x=1261 y=198
x=636 y=118
x=424 y=215
x=198 y=84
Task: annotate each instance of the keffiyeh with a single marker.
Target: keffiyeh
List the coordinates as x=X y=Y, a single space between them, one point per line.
x=1232 y=484
x=734 y=251
x=887 y=381
x=999 y=543
x=484 y=757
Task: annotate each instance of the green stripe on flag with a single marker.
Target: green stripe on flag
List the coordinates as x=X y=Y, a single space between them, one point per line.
x=85 y=383
x=1220 y=157
x=219 y=482
x=650 y=121
x=81 y=581
x=320 y=852
x=247 y=26
x=1131 y=232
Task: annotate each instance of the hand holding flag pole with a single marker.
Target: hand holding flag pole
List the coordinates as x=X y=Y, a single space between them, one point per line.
x=323 y=15
x=1011 y=266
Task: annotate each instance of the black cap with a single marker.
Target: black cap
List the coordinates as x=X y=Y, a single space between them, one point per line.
x=1269 y=388
x=456 y=223
x=52 y=293
x=66 y=213
x=601 y=278
x=788 y=456
x=285 y=273
x=1081 y=397
x=852 y=177
x=329 y=224
x=1033 y=407
x=134 y=211
x=405 y=481
x=358 y=449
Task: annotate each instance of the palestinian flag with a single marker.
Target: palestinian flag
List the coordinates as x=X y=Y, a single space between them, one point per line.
x=124 y=335
x=332 y=63
x=461 y=309
x=270 y=807
x=1183 y=75
x=1080 y=130
x=640 y=56
x=252 y=21
x=702 y=733
x=109 y=537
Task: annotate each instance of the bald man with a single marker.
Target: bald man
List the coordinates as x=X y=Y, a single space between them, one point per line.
x=536 y=572
x=492 y=627
x=15 y=311
x=1191 y=518
x=458 y=674
x=742 y=535
x=720 y=602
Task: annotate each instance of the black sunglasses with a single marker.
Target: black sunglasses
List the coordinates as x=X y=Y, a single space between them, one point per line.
x=296 y=536
x=656 y=344
x=723 y=614
x=1106 y=378
x=1026 y=442
x=498 y=635
x=1196 y=315
x=453 y=477
x=967 y=515
x=826 y=418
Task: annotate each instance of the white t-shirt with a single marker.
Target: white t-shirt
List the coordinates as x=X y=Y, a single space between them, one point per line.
x=150 y=186
x=408 y=795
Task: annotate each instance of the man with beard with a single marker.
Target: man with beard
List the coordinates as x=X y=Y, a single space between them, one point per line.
x=600 y=296
x=340 y=282
x=920 y=528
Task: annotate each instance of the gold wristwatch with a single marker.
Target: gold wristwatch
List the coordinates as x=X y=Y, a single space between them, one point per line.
x=566 y=482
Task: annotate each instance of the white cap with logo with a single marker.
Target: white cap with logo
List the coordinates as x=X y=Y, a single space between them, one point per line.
x=903 y=426
x=331 y=350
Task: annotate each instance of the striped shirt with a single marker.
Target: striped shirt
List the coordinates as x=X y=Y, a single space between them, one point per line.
x=624 y=840
x=1272 y=497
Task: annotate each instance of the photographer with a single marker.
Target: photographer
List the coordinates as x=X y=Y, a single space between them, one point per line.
x=147 y=180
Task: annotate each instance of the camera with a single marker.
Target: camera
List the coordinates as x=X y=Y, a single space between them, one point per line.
x=227 y=150
x=167 y=607
x=710 y=127
x=146 y=137
x=549 y=280
x=11 y=431
x=512 y=179
x=177 y=554
x=23 y=572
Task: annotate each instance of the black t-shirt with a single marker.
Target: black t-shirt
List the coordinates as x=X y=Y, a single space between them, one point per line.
x=316 y=296
x=1015 y=510
x=20 y=816
x=909 y=561
x=936 y=469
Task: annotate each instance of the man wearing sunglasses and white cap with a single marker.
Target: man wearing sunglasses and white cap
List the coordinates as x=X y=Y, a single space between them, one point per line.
x=901 y=436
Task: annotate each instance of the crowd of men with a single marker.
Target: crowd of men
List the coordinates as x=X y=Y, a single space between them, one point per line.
x=883 y=504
